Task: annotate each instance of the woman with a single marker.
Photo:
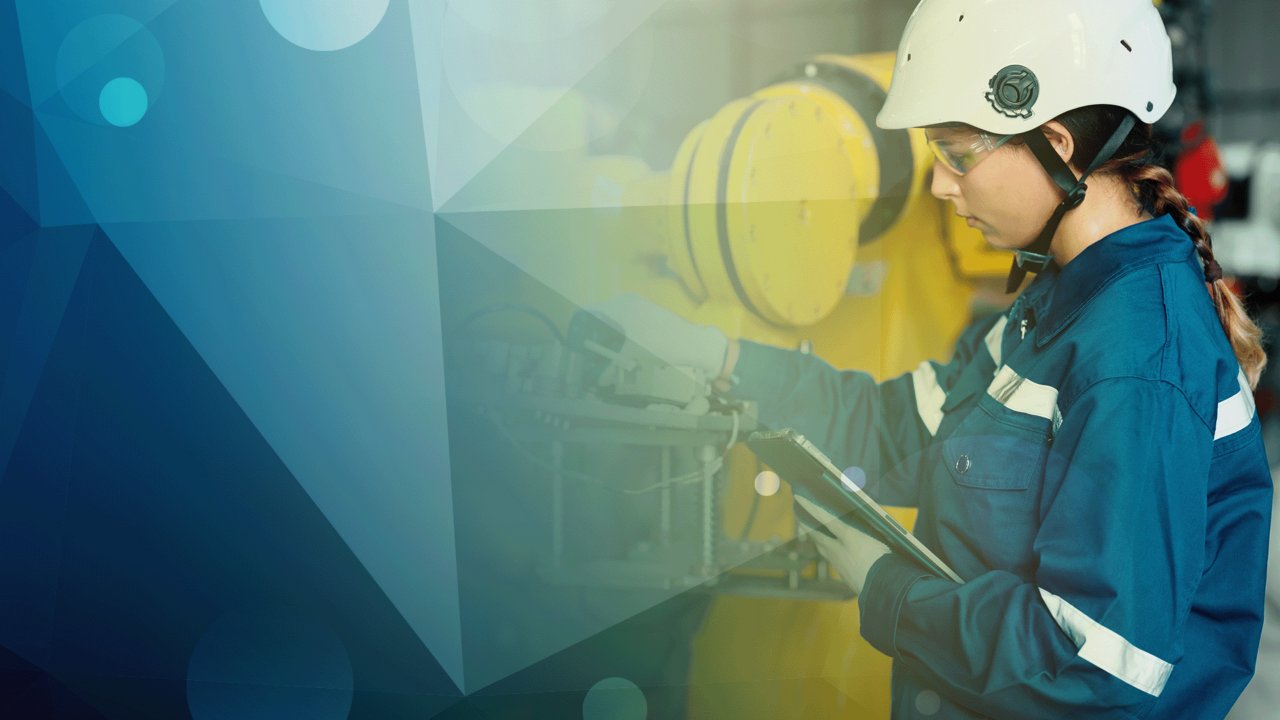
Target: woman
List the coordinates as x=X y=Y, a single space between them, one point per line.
x=1090 y=461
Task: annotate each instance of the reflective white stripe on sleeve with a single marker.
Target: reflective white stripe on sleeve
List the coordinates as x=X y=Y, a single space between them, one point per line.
x=1022 y=395
x=929 y=396
x=994 y=337
x=1107 y=650
x=1235 y=413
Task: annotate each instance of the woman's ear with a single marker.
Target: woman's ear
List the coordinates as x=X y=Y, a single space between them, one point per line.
x=1060 y=139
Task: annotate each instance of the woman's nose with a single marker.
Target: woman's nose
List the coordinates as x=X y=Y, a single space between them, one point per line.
x=944 y=185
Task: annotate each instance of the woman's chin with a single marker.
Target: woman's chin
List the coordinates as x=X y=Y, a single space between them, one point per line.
x=999 y=242
x=993 y=239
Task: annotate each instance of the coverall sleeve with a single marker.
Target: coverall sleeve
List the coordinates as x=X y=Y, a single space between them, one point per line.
x=877 y=427
x=1097 y=631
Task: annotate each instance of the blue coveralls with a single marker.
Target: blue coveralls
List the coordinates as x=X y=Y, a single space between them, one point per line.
x=1091 y=463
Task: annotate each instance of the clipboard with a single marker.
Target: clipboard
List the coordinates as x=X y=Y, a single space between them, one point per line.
x=813 y=475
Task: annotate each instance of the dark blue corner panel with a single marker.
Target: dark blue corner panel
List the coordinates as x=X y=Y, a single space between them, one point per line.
x=158 y=559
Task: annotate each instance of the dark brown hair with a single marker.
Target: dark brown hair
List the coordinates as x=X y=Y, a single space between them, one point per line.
x=1154 y=189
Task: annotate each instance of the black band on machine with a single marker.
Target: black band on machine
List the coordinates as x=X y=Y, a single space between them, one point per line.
x=722 y=212
x=893 y=147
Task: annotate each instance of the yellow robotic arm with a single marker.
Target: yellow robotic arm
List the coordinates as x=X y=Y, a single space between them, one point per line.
x=770 y=198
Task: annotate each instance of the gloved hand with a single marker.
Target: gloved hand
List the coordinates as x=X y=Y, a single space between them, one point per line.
x=851 y=553
x=665 y=334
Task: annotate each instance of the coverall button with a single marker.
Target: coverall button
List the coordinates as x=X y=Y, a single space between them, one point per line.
x=963 y=464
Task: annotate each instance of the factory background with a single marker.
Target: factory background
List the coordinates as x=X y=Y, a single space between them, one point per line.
x=298 y=413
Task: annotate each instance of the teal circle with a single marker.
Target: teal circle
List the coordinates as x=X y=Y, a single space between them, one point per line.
x=338 y=25
x=123 y=102
x=615 y=698
x=100 y=50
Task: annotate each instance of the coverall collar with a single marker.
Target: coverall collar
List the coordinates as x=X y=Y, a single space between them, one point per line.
x=1057 y=297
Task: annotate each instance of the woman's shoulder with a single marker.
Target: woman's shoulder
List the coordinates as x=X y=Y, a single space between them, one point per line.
x=1156 y=323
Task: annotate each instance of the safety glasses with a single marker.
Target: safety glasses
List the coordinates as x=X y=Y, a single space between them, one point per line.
x=962 y=153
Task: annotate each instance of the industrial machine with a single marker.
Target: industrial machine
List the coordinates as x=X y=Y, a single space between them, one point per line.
x=787 y=218
x=579 y=395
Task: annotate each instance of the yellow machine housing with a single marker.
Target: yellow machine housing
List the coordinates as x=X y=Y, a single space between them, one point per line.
x=793 y=219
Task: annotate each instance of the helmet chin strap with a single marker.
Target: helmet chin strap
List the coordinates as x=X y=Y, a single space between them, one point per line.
x=1036 y=256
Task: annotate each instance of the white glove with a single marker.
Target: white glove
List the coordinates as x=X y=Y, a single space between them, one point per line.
x=665 y=334
x=851 y=553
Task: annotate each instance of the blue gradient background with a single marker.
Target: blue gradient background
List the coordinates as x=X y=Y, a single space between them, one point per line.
x=235 y=481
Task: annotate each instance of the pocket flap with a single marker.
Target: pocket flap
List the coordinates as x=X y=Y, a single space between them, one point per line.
x=993 y=455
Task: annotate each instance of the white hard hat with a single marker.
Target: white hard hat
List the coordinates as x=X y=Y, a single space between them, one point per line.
x=1007 y=66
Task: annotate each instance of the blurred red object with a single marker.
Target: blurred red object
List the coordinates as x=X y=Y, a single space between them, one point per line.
x=1198 y=171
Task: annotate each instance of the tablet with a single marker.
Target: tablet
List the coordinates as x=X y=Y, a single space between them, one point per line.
x=811 y=474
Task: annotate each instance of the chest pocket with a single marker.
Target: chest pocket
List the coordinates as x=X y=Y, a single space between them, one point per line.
x=986 y=502
x=994 y=449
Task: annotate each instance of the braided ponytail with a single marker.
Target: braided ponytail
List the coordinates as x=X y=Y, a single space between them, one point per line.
x=1155 y=190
